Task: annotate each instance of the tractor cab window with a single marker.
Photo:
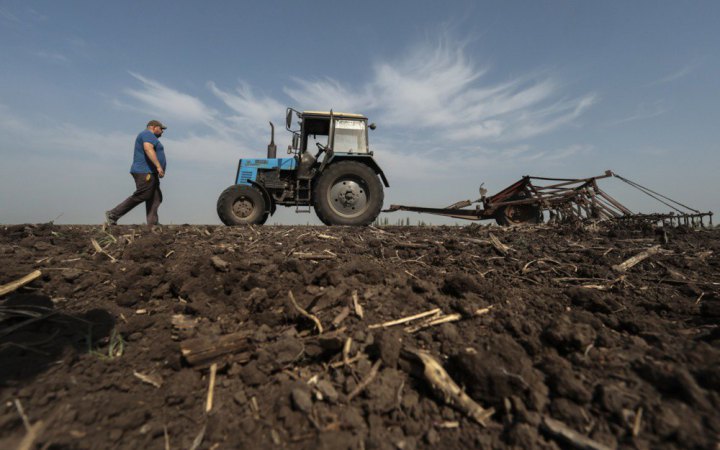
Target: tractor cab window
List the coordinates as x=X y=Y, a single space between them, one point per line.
x=315 y=129
x=350 y=136
x=312 y=139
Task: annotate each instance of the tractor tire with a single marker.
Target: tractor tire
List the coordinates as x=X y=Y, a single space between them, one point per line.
x=242 y=205
x=348 y=193
x=518 y=214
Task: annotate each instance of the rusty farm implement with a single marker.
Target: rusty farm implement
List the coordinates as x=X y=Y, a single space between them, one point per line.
x=533 y=199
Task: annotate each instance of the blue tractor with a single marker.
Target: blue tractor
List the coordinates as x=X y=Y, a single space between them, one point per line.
x=341 y=181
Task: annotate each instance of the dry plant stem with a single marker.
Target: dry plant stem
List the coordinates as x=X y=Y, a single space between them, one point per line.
x=366 y=381
x=432 y=321
x=167 y=438
x=702 y=294
x=448 y=424
x=622 y=267
x=199 y=438
x=406 y=319
x=23 y=416
x=346 y=351
x=637 y=422
x=499 y=246
x=254 y=408
x=451 y=393
x=149 y=379
x=569 y=436
x=411 y=274
x=355 y=358
x=28 y=442
x=17 y=284
x=666 y=281
x=356 y=305
x=99 y=249
x=300 y=255
x=477 y=241
x=444 y=319
x=202 y=350
x=211 y=388
x=526 y=269
x=599 y=287
x=344 y=313
x=305 y=313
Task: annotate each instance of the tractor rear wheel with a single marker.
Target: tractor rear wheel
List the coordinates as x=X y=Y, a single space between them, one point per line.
x=348 y=193
x=240 y=205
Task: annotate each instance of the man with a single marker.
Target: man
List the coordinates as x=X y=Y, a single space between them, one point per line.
x=147 y=168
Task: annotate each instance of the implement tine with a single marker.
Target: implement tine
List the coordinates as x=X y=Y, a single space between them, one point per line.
x=614 y=202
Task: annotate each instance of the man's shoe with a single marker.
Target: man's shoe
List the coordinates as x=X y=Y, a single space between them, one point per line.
x=110 y=220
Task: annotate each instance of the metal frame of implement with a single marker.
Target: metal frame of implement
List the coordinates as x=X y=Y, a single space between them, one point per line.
x=563 y=199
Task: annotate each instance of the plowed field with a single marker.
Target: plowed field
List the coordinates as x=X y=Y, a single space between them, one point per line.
x=543 y=325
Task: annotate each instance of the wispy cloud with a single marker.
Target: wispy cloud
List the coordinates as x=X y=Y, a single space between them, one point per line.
x=156 y=98
x=642 y=112
x=249 y=113
x=533 y=122
x=246 y=105
x=8 y=16
x=555 y=155
x=52 y=56
x=327 y=93
x=36 y=15
x=676 y=75
x=440 y=88
x=24 y=17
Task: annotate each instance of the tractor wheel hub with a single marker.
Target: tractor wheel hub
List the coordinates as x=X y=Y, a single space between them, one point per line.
x=242 y=207
x=348 y=197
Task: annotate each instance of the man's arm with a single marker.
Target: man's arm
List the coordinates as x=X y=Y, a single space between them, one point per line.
x=150 y=152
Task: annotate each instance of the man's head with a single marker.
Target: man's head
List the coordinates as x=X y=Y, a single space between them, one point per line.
x=156 y=127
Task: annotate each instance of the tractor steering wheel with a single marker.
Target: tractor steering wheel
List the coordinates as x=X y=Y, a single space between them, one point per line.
x=321 y=149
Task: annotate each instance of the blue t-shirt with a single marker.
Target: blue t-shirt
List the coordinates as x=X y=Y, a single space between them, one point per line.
x=141 y=163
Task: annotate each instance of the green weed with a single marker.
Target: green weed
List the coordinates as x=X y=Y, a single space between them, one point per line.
x=115 y=349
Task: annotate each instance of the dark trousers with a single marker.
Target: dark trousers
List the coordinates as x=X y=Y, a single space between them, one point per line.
x=147 y=189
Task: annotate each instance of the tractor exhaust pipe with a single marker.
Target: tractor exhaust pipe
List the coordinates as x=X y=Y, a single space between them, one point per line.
x=272 y=148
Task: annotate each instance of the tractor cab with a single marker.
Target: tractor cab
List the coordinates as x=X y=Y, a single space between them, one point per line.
x=339 y=132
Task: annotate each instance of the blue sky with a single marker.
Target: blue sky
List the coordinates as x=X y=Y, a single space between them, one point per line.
x=462 y=93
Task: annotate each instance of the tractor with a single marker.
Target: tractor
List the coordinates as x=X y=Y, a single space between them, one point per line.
x=341 y=180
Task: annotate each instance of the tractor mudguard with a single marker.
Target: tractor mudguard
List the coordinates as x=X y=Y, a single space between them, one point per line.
x=269 y=203
x=365 y=159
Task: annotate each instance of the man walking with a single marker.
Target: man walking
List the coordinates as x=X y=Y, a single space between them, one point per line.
x=147 y=168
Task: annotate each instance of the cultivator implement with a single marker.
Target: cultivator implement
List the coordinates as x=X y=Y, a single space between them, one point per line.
x=533 y=199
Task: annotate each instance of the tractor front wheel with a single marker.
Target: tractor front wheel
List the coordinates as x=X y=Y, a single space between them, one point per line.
x=241 y=204
x=348 y=193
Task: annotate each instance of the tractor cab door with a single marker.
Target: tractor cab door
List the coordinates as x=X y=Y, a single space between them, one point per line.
x=315 y=130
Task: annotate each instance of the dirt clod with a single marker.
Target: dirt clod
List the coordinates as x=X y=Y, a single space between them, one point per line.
x=301 y=400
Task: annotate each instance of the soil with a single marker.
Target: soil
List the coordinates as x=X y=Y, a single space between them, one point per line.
x=92 y=348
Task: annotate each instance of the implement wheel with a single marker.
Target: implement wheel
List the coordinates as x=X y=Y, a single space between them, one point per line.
x=518 y=214
x=348 y=193
x=240 y=205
